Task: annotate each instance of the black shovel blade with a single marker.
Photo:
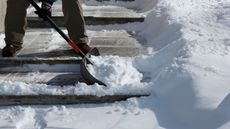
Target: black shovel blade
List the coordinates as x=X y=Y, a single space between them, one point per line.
x=89 y=78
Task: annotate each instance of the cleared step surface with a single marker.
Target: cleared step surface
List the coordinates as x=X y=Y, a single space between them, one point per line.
x=94 y=15
x=48 y=44
x=61 y=99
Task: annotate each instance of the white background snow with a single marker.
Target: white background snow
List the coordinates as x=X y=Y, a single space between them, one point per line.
x=189 y=66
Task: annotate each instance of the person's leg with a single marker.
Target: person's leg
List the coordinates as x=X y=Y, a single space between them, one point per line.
x=15 y=21
x=74 y=21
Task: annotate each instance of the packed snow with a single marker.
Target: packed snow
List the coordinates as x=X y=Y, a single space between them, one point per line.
x=189 y=66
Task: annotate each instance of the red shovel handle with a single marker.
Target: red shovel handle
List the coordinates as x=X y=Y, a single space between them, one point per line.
x=74 y=46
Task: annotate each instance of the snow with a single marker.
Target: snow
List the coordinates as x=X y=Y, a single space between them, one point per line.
x=2 y=42
x=115 y=71
x=122 y=78
x=189 y=67
x=117 y=115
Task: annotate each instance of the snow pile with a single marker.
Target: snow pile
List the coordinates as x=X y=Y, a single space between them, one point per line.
x=21 y=88
x=116 y=71
x=119 y=74
x=190 y=63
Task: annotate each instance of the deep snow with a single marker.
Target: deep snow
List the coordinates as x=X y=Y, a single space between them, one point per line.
x=189 y=66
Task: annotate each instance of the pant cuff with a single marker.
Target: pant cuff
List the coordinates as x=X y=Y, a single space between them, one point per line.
x=15 y=43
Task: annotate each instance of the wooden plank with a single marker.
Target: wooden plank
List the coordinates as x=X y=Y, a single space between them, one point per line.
x=12 y=100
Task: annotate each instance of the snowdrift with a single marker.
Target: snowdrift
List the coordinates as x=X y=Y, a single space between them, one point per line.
x=190 y=62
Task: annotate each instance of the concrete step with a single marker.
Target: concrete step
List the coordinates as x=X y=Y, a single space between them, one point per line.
x=94 y=15
x=12 y=100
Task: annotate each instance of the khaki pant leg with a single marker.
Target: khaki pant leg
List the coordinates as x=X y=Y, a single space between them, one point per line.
x=15 y=21
x=74 y=21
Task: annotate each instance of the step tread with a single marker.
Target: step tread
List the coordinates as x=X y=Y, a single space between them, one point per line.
x=48 y=44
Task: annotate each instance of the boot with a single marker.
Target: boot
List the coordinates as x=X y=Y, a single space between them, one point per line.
x=10 y=50
x=85 y=48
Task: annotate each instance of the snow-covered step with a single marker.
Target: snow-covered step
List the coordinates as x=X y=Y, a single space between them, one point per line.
x=94 y=15
x=10 y=100
x=46 y=74
x=48 y=78
x=59 y=74
x=55 y=73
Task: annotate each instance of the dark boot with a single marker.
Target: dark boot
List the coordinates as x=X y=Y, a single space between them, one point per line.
x=85 y=48
x=10 y=50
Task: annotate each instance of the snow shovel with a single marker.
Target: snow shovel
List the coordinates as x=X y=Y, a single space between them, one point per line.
x=90 y=79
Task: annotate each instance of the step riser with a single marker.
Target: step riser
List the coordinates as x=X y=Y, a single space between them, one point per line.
x=38 y=23
x=20 y=62
x=61 y=100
